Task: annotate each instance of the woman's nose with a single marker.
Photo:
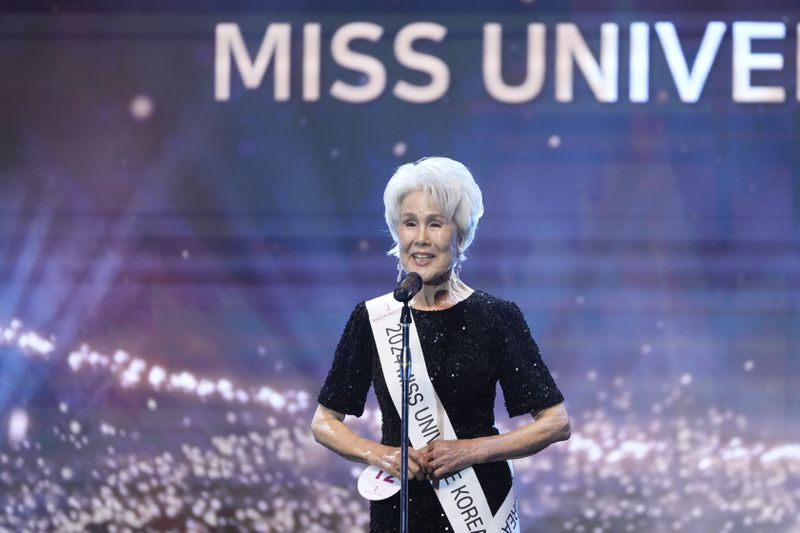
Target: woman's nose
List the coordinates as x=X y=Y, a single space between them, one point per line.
x=422 y=236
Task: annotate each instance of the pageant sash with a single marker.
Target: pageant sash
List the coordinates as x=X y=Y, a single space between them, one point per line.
x=460 y=493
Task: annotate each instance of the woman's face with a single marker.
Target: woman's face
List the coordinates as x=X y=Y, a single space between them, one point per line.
x=428 y=240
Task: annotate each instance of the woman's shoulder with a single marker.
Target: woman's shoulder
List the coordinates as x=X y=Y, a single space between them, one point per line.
x=490 y=303
x=357 y=315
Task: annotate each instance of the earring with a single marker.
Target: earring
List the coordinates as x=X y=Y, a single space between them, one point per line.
x=457 y=268
x=399 y=270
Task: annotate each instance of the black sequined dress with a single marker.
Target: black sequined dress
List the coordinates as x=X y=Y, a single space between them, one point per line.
x=468 y=348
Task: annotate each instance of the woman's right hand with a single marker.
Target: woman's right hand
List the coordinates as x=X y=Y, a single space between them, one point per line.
x=387 y=458
x=329 y=430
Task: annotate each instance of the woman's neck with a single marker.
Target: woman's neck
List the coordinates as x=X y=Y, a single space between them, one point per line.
x=439 y=296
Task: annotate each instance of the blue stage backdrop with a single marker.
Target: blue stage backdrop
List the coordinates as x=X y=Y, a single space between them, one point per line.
x=191 y=205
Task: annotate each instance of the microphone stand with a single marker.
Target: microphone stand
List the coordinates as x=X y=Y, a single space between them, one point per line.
x=405 y=366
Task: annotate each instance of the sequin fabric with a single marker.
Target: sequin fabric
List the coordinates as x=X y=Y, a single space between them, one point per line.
x=468 y=349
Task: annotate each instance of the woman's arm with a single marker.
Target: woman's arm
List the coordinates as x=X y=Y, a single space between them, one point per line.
x=549 y=425
x=329 y=429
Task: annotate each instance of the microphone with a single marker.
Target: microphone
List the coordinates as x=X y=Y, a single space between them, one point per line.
x=407 y=288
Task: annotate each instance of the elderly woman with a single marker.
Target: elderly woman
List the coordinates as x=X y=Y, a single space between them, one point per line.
x=469 y=340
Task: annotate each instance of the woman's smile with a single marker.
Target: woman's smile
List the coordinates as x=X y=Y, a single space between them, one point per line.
x=422 y=260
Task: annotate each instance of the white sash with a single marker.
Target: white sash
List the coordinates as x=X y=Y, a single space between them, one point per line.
x=460 y=493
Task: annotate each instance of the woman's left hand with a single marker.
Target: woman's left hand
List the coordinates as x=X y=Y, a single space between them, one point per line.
x=448 y=456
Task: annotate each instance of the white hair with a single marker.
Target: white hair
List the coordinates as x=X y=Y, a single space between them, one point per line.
x=451 y=187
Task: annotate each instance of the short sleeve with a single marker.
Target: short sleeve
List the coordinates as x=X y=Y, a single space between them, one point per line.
x=345 y=389
x=527 y=384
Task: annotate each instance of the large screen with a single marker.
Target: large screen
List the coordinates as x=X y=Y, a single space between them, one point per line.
x=191 y=206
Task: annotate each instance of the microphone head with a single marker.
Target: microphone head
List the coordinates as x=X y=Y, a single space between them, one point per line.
x=408 y=287
x=414 y=281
